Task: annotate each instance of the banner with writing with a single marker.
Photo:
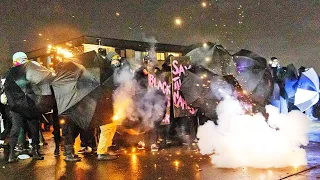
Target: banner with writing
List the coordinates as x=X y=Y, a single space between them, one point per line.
x=162 y=82
x=178 y=69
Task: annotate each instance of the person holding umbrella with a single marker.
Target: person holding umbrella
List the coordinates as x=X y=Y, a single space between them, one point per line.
x=20 y=95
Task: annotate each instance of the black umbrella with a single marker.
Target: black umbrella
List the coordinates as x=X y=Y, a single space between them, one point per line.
x=84 y=94
x=28 y=89
x=203 y=89
x=213 y=57
x=254 y=76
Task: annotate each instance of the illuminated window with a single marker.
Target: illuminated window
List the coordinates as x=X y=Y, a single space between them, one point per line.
x=160 y=56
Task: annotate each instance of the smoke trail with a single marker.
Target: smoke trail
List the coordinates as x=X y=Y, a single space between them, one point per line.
x=242 y=140
x=151 y=51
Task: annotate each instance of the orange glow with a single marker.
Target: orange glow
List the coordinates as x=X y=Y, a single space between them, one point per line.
x=62 y=121
x=176 y=164
x=121 y=105
x=133 y=150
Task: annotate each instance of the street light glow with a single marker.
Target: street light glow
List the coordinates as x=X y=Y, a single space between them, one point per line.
x=178 y=21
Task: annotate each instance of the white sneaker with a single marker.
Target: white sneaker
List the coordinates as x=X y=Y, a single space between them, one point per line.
x=141 y=145
x=154 y=148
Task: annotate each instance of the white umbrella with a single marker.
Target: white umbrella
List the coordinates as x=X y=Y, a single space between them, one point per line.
x=308 y=90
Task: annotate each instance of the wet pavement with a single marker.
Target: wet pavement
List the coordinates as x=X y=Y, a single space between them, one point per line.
x=172 y=163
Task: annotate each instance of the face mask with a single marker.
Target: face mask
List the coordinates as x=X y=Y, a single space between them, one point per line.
x=19 y=62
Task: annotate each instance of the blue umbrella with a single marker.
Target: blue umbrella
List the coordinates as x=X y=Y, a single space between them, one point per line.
x=308 y=90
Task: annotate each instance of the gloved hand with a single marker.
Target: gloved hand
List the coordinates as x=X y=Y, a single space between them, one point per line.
x=4 y=99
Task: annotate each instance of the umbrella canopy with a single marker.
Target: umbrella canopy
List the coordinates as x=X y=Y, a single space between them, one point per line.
x=308 y=90
x=196 y=89
x=254 y=76
x=213 y=57
x=28 y=89
x=85 y=94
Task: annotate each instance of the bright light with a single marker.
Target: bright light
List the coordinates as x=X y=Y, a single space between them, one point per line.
x=117 y=14
x=49 y=46
x=133 y=150
x=62 y=121
x=178 y=21
x=40 y=34
x=116 y=117
x=24 y=40
x=205 y=45
x=204 y=4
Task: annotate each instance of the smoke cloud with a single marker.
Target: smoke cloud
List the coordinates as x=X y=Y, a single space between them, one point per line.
x=136 y=105
x=241 y=140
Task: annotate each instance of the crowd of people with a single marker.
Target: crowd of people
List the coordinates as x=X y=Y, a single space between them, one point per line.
x=24 y=132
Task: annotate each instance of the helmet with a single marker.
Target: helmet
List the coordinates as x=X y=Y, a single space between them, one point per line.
x=19 y=58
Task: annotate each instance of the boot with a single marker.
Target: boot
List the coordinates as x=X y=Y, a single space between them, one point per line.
x=35 y=153
x=12 y=157
x=70 y=156
x=57 y=149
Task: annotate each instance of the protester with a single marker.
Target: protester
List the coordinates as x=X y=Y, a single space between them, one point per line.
x=108 y=130
x=5 y=119
x=19 y=119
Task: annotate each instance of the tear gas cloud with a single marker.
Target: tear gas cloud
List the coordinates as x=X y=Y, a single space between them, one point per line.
x=241 y=140
x=132 y=102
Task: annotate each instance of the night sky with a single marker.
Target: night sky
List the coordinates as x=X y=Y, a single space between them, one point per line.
x=287 y=29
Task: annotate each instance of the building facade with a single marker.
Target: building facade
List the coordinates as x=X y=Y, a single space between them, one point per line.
x=131 y=50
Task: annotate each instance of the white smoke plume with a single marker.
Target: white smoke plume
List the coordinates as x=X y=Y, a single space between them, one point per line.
x=241 y=140
x=135 y=104
x=152 y=50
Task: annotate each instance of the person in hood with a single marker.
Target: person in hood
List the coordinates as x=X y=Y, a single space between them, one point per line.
x=18 y=120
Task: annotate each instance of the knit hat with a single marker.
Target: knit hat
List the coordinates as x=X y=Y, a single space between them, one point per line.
x=19 y=58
